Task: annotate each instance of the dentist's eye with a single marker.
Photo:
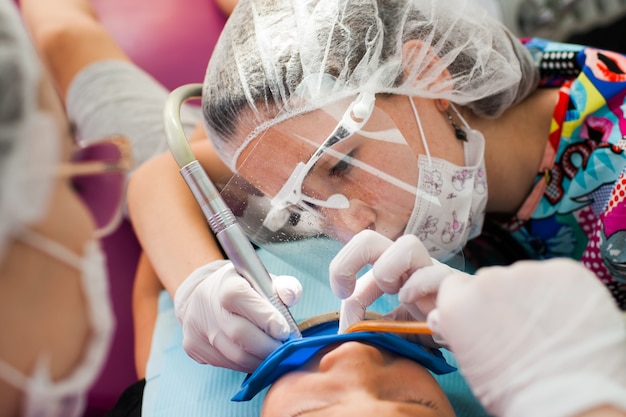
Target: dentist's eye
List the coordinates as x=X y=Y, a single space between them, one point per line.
x=339 y=169
x=342 y=167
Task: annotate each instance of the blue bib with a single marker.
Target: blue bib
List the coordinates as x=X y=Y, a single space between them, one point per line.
x=295 y=353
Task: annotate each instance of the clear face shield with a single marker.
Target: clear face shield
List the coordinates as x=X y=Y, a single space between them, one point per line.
x=326 y=174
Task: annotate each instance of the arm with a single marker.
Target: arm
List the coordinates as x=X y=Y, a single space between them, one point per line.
x=170 y=210
x=145 y=307
x=69 y=37
x=226 y=6
x=225 y=321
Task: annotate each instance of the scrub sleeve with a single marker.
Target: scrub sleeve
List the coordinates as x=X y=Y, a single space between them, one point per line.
x=117 y=98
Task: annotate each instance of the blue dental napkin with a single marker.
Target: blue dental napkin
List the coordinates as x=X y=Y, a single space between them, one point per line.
x=295 y=353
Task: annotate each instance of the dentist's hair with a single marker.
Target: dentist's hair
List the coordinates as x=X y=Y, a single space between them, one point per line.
x=273 y=53
x=28 y=155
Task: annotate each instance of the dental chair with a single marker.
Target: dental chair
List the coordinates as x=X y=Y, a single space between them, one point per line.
x=171 y=40
x=122 y=251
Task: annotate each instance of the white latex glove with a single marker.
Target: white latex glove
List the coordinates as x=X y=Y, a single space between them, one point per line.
x=403 y=267
x=539 y=338
x=225 y=322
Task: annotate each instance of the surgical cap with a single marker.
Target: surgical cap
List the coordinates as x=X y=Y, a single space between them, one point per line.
x=279 y=58
x=29 y=143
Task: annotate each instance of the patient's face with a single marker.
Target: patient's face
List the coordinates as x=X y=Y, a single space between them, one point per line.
x=360 y=380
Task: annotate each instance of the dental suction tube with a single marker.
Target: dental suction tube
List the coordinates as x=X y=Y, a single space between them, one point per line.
x=219 y=216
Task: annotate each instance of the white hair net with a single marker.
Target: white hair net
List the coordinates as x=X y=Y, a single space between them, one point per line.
x=29 y=143
x=342 y=47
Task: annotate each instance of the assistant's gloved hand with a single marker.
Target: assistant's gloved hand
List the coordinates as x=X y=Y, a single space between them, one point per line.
x=225 y=322
x=403 y=267
x=536 y=338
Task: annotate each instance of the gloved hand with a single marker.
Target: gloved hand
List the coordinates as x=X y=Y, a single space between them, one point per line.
x=536 y=338
x=403 y=267
x=225 y=322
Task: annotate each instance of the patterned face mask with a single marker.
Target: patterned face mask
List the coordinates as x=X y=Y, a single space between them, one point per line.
x=450 y=200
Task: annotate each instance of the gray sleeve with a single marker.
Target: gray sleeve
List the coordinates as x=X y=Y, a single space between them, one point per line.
x=118 y=98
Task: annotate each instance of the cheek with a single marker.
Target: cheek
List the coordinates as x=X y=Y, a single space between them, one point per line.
x=387 y=200
x=395 y=159
x=384 y=179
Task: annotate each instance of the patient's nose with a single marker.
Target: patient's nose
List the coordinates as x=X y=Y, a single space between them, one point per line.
x=356 y=356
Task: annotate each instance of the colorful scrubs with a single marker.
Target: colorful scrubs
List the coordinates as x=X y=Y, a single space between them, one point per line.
x=577 y=207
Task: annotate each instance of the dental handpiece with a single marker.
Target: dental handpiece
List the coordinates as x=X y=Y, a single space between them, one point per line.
x=233 y=239
x=221 y=219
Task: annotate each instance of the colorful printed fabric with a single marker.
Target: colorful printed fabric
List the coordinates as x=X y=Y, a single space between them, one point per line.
x=581 y=212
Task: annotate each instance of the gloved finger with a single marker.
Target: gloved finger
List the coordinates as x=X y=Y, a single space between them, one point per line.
x=403 y=257
x=454 y=288
x=241 y=341
x=238 y=297
x=203 y=352
x=363 y=249
x=423 y=282
x=353 y=308
x=288 y=288
x=422 y=286
x=453 y=291
x=409 y=312
x=433 y=321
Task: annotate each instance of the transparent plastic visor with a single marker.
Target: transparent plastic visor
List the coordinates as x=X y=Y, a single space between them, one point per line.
x=327 y=174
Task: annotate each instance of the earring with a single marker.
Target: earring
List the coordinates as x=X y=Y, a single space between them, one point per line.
x=458 y=132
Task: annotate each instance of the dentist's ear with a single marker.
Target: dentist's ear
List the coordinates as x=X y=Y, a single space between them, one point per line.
x=419 y=62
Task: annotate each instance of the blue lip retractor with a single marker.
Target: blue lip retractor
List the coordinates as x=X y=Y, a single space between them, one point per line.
x=295 y=353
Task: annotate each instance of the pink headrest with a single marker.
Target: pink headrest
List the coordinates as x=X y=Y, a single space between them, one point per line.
x=170 y=39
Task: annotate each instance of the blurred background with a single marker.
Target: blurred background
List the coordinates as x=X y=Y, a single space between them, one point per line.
x=599 y=23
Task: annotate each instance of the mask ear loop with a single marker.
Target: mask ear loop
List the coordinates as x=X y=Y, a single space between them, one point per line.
x=50 y=247
x=421 y=130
